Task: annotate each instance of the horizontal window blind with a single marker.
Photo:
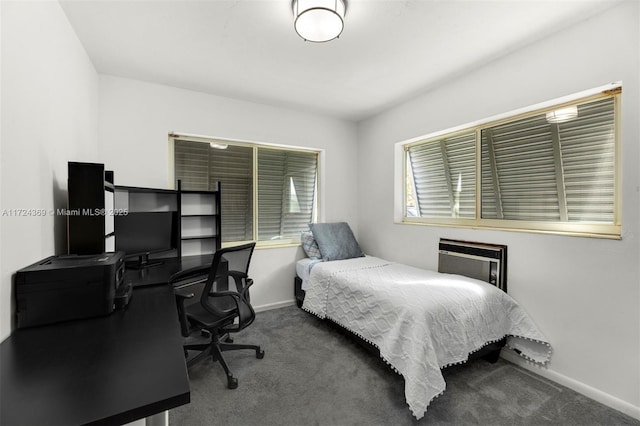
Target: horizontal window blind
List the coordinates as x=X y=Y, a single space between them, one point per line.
x=540 y=171
x=443 y=174
x=285 y=180
x=521 y=160
x=191 y=164
x=200 y=167
x=286 y=192
x=588 y=160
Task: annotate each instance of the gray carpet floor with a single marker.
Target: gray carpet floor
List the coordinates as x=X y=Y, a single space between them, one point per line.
x=312 y=374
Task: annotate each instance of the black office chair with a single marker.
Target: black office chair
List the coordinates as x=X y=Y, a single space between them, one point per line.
x=222 y=305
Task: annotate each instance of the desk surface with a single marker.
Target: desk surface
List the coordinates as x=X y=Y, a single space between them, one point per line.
x=160 y=274
x=106 y=370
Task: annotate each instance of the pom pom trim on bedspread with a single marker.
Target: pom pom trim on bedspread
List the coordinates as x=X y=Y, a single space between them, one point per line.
x=419 y=416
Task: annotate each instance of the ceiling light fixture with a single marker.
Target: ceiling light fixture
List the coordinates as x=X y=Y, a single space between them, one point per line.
x=319 y=20
x=216 y=145
x=563 y=114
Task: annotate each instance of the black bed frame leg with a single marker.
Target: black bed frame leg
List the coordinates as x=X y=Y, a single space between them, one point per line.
x=493 y=356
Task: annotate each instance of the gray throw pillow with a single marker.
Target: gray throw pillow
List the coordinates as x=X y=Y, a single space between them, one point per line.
x=336 y=241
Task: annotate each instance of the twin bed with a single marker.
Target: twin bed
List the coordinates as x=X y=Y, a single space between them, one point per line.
x=420 y=321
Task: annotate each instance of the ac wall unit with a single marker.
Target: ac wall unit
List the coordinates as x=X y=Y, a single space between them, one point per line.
x=486 y=262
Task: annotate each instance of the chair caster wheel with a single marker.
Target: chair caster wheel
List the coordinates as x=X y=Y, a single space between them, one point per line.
x=259 y=354
x=232 y=382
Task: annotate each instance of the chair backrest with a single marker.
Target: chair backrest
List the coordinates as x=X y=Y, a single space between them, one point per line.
x=229 y=272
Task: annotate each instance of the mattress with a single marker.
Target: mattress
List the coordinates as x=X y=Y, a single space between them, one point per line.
x=303 y=269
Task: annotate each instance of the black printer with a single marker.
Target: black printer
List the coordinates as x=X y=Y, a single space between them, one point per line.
x=61 y=288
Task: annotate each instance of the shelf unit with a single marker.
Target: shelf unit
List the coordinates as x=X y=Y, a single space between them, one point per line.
x=135 y=199
x=200 y=221
x=141 y=202
x=98 y=210
x=90 y=214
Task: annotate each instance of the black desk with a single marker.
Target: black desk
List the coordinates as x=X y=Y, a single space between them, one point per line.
x=108 y=370
x=160 y=274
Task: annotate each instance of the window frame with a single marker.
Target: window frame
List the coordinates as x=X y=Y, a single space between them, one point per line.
x=319 y=196
x=584 y=229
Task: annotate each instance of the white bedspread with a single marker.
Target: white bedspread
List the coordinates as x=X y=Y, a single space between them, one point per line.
x=420 y=320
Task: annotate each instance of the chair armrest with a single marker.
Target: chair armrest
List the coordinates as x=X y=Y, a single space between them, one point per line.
x=245 y=291
x=181 y=296
x=237 y=275
x=242 y=288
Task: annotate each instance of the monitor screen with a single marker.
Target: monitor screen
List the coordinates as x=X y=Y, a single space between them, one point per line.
x=141 y=233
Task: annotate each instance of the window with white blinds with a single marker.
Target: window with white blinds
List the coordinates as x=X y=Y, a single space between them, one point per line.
x=541 y=171
x=443 y=176
x=267 y=193
x=551 y=170
x=286 y=193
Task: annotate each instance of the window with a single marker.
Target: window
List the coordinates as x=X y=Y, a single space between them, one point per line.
x=548 y=169
x=269 y=193
x=443 y=176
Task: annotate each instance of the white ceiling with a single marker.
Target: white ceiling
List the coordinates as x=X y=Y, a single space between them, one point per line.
x=390 y=50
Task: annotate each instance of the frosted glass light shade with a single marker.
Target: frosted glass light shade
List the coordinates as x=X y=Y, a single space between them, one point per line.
x=563 y=114
x=319 y=20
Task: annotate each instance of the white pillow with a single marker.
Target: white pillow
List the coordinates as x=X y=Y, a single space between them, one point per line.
x=310 y=245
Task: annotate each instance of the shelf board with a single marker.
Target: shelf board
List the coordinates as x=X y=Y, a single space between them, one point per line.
x=145 y=190
x=199 y=215
x=193 y=191
x=199 y=237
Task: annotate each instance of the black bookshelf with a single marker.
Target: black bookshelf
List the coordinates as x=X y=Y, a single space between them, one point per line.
x=90 y=202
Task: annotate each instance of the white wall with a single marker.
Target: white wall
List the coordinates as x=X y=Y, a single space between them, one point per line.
x=136 y=118
x=583 y=293
x=49 y=117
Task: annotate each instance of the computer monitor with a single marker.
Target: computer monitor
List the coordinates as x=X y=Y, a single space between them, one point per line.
x=141 y=234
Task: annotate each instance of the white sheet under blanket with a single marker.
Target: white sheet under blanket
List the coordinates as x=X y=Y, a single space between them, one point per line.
x=303 y=269
x=420 y=320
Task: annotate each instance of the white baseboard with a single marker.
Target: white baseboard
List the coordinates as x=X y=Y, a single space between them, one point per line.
x=593 y=393
x=277 y=305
